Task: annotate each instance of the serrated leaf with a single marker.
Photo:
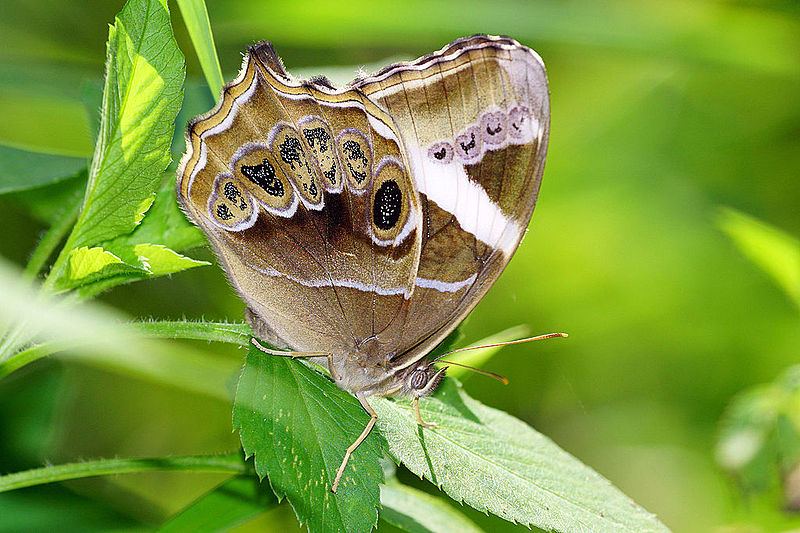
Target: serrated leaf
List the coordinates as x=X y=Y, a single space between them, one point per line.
x=163 y=224
x=297 y=425
x=94 y=269
x=241 y=498
x=141 y=210
x=149 y=248
x=141 y=98
x=21 y=170
x=159 y=260
x=418 y=512
x=87 y=265
x=496 y=463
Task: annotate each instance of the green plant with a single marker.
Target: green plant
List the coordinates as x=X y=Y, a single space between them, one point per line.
x=759 y=438
x=124 y=226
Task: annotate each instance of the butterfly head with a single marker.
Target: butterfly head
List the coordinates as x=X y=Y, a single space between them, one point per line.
x=423 y=379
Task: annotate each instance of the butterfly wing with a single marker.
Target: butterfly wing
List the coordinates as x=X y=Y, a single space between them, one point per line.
x=474 y=119
x=368 y=221
x=304 y=193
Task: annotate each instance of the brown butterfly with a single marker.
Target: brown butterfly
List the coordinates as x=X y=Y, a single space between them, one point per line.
x=362 y=224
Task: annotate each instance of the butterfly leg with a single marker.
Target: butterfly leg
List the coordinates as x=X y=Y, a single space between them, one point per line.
x=421 y=422
x=359 y=440
x=298 y=355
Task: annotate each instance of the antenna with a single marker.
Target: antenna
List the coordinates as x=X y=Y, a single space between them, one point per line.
x=498 y=377
x=506 y=343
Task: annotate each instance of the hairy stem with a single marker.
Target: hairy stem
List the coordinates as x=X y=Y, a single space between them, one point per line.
x=230 y=463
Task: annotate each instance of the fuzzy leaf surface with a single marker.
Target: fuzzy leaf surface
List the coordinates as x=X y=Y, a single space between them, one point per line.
x=498 y=464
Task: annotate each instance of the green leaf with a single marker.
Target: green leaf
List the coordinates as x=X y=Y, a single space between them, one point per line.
x=759 y=441
x=141 y=98
x=48 y=204
x=496 y=463
x=87 y=265
x=418 y=512
x=160 y=260
x=297 y=425
x=195 y=16
x=40 y=100
x=164 y=224
x=21 y=170
x=196 y=101
x=233 y=502
x=148 y=249
x=141 y=254
x=776 y=252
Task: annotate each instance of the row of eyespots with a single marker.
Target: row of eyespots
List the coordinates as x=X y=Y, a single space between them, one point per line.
x=307 y=161
x=274 y=171
x=495 y=130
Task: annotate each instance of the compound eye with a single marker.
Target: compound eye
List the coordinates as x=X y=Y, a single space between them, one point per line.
x=419 y=379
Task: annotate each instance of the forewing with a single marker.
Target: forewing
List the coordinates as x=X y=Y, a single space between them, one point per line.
x=305 y=195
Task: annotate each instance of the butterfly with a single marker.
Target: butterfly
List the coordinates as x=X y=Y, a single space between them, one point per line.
x=361 y=224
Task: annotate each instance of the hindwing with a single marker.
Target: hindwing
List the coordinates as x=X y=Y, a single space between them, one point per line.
x=474 y=118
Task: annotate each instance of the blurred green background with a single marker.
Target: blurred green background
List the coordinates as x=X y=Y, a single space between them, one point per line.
x=662 y=112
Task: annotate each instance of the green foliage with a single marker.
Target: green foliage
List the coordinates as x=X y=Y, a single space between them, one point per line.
x=759 y=441
x=195 y=16
x=22 y=170
x=416 y=511
x=231 y=503
x=297 y=426
x=295 y=423
x=496 y=463
x=241 y=498
x=141 y=98
x=774 y=251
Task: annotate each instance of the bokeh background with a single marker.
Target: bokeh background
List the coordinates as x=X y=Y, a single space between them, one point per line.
x=663 y=112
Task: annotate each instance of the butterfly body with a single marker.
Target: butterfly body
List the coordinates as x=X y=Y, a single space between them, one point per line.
x=366 y=222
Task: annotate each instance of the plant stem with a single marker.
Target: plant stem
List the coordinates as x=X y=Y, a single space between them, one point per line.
x=233 y=333
x=27 y=356
x=230 y=464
